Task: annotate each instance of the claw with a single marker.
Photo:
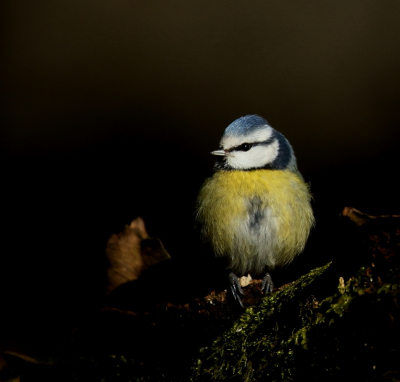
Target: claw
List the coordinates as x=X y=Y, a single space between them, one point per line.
x=267 y=285
x=236 y=289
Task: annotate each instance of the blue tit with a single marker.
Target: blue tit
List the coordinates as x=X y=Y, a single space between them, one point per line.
x=255 y=210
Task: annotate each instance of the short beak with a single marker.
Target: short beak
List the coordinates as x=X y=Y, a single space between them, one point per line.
x=219 y=152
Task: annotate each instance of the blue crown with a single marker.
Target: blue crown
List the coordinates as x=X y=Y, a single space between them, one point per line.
x=245 y=125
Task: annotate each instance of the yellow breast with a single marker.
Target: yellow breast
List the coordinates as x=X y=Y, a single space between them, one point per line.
x=258 y=219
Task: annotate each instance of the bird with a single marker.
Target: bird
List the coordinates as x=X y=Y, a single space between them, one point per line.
x=255 y=210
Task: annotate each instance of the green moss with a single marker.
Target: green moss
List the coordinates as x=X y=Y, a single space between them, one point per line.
x=327 y=340
x=241 y=351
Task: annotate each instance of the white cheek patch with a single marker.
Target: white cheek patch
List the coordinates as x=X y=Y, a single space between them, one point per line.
x=262 y=135
x=257 y=156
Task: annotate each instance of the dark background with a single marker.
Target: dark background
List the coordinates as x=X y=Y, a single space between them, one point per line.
x=110 y=110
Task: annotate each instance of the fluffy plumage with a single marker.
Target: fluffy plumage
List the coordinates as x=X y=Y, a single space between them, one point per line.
x=259 y=219
x=255 y=210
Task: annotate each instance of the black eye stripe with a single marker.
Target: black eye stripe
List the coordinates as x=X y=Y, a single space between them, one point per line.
x=247 y=146
x=244 y=147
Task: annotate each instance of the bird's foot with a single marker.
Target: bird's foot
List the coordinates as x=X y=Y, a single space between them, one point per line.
x=236 y=288
x=267 y=285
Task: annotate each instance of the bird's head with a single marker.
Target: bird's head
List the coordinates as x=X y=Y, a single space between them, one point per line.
x=251 y=143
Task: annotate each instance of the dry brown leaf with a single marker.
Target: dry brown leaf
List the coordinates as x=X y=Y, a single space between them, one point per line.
x=130 y=252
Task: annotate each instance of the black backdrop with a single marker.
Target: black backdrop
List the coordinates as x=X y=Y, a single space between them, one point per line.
x=110 y=111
